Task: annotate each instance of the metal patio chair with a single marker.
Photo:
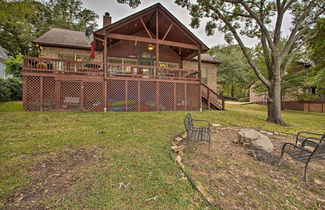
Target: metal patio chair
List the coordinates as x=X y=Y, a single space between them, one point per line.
x=197 y=133
x=304 y=155
x=305 y=135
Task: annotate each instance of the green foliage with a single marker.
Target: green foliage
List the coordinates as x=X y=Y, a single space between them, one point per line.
x=316 y=48
x=245 y=99
x=10 y=89
x=307 y=97
x=131 y=3
x=4 y=90
x=14 y=66
x=233 y=70
x=23 y=21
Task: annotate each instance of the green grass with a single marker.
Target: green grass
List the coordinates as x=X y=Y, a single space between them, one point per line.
x=134 y=147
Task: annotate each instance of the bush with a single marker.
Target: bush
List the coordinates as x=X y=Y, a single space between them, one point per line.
x=245 y=99
x=307 y=97
x=10 y=89
x=230 y=98
x=14 y=66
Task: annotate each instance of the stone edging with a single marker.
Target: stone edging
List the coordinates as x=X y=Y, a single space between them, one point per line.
x=220 y=127
x=176 y=153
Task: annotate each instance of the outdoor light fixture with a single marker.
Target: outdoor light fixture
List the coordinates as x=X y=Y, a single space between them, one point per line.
x=151 y=47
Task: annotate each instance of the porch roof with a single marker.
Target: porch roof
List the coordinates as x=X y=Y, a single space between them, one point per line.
x=131 y=24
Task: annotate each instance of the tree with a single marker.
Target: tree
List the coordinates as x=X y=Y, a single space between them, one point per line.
x=234 y=70
x=17 y=25
x=253 y=18
x=315 y=50
x=23 y=21
x=14 y=66
x=70 y=15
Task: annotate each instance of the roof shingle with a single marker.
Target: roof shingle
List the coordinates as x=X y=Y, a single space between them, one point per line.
x=64 y=37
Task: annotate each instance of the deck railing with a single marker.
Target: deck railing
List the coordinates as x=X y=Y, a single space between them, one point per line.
x=91 y=68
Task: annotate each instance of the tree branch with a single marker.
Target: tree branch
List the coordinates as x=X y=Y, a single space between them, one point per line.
x=260 y=23
x=277 y=30
x=294 y=35
x=243 y=47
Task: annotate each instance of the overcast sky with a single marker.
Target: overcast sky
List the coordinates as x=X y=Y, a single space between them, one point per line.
x=119 y=11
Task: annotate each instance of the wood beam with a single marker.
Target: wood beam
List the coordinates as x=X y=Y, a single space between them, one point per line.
x=145 y=27
x=148 y=40
x=102 y=40
x=126 y=21
x=170 y=27
x=157 y=25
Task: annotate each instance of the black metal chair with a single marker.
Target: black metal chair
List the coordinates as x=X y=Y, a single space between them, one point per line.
x=302 y=137
x=197 y=133
x=304 y=155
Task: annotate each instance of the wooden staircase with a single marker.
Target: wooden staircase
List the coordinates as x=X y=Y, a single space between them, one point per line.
x=211 y=100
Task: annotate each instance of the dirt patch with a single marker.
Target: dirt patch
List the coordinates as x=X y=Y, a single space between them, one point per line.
x=241 y=177
x=52 y=174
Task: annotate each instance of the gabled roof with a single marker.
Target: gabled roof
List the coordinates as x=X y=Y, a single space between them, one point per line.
x=64 y=37
x=206 y=58
x=3 y=54
x=146 y=11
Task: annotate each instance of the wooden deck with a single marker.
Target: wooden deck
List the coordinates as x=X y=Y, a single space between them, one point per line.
x=36 y=66
x=64 y=85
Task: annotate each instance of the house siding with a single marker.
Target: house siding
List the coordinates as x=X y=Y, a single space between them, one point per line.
x=211 y=72
x=2 y=70
x=53 y=52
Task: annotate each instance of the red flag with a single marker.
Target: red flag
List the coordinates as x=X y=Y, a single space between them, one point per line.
x=92 y=50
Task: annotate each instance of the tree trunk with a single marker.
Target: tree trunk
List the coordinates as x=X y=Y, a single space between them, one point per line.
x=274 y=100
x=232 y=90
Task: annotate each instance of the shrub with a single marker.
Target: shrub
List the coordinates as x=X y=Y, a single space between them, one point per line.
x=14 y=66
x=4 y=90
x=230 y=98
x=10 y=89
x=245 y=99
x=307 y=97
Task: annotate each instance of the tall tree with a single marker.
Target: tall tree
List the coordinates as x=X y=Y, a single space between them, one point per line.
x=24 y=20
x=234 y=70
x=253 y=18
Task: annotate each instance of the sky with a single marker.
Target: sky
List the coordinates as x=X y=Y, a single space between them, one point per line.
x=119 y=11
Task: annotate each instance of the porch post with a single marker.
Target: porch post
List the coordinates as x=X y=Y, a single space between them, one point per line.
x=157 y=46
x=199 y=68
x=25 y=93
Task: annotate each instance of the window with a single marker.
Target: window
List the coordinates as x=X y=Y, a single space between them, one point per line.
x=122 y=61
x=204 y=75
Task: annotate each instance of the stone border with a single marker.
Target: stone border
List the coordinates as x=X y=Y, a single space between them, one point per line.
x=220 y=127
x=176 y=153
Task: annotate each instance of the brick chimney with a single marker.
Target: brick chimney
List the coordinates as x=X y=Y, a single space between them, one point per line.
x=107 y=19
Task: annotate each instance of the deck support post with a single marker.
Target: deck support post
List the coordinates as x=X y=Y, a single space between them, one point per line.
x=57 y=94
x=199 y=68
x=105 y=72
x=157 y=96
x=139 y=96
x=126 y=95
x=81 y=96
x=41 y=93
x=157 y=46
x=25 y=93
x=174 y=96
x=185 y=96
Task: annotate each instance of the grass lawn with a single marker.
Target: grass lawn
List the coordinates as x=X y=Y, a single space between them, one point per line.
x=115 y=160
